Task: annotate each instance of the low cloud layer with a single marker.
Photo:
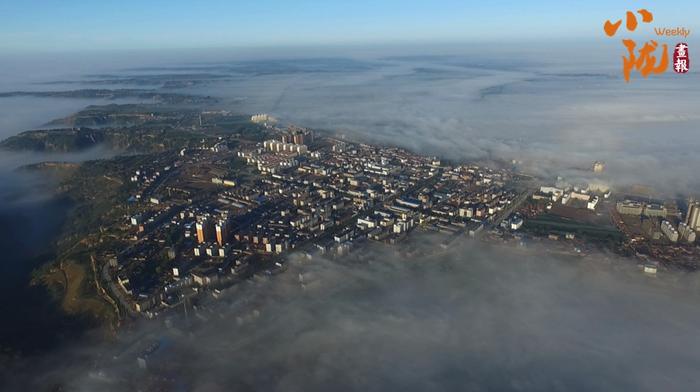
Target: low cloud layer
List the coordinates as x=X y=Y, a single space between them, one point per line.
x=551 y=110
x=469 y=318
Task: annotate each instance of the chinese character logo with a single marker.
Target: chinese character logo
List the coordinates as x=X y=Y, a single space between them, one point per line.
x=644 y=59
x=681 y=58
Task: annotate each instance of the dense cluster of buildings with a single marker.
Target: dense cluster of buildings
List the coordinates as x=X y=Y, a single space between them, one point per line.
x=326 y=196
x=684 y=231
x=197 y=225
x=587 y=195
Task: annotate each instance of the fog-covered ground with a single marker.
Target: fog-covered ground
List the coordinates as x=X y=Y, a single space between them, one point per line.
x=552 y=110
x=473 y=317
x=553 y=107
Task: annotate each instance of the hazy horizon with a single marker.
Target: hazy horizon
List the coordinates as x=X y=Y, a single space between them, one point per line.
x=69 y=25
x=551 y=108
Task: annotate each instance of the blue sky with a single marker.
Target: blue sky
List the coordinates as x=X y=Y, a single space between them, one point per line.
x=51 y=25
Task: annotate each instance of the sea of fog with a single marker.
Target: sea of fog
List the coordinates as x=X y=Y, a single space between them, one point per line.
x=550 y=113
x=473 y=317
x=31 y=217
x=549 y=108
x=552 y=110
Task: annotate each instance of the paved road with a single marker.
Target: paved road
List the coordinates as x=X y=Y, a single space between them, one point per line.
x=116 y=292
x=511 y=207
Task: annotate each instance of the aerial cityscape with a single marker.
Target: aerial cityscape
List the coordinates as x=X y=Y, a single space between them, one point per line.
x=320 y=214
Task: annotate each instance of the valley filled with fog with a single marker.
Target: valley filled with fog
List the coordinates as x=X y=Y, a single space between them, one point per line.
x=550 y=109
x=474 y=317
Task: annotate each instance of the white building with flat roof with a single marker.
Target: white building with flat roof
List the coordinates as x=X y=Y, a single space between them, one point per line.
x=592 y=203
